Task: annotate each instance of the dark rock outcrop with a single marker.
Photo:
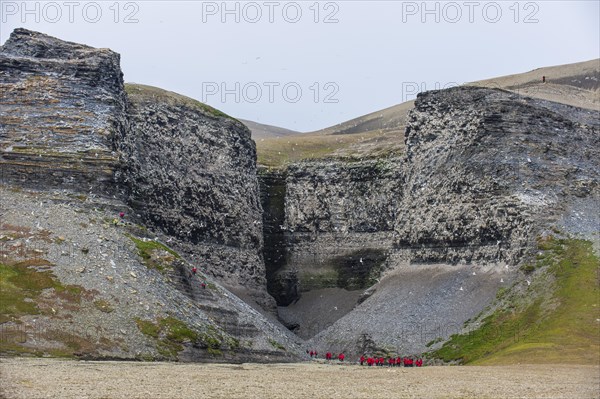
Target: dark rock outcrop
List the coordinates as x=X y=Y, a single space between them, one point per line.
x=487 y=170
x=335 y=221
x=76 y=149
x=62 y=106
x=191 y=171
x=484 y=174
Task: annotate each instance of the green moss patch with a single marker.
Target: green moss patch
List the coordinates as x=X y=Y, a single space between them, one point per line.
x=353 y=271
x=103 y=306
x=555 y=320
x=276 y=345
x=326 y=278
x=148 y=328
x=154 y=254
x=171 y=334
x=21 y=287
x=22 y=283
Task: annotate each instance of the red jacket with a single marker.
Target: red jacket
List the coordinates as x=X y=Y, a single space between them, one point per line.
x=341 y=357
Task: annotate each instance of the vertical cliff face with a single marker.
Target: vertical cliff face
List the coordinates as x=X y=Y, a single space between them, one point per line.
x=76 y=150
x=336 y=221
x=487 y=170
x=283 y=287
x=485 y=173
x=192 y=174
x=187 y=169
x=62 y=106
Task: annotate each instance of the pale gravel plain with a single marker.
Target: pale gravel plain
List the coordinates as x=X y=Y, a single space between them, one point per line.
x=64 y=379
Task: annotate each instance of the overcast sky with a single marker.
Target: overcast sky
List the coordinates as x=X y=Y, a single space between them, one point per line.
x=306 y=65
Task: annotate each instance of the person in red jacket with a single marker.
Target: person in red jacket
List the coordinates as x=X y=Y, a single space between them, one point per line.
x=312 y=354
x=398 y=361
x=391 y=362
x=362 y=360
x=370 y=361
x=381 y=361
x=194 y=270
x=341 y=357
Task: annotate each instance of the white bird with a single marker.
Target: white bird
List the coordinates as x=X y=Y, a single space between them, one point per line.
x=528 y=282
x=528 y=159
x=361 y=261
x=461 y=289
x=335 y=308
x=474 y=274
x=501 y=280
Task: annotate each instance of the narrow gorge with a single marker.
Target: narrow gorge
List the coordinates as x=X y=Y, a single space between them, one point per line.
x=111 y=193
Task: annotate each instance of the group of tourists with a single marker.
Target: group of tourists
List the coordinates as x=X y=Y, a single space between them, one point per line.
x=391 y=362
x=328 y=355
x=408 y=361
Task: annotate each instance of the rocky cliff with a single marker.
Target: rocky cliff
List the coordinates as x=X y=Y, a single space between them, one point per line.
x=439 y=230
x=79 y=280
x=337 y=224
x=63 y=105
x=191 y=171
x=384 y=254
x=487 y=170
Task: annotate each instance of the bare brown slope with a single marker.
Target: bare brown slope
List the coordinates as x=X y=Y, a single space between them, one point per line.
x=381 y=133
x=575 y=84
x=260 y=130
x=572 y=84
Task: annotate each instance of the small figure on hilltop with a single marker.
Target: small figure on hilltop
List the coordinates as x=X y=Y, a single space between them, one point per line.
x=543 y=79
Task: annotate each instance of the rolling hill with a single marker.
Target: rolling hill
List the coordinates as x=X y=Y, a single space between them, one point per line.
x=381 y=133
